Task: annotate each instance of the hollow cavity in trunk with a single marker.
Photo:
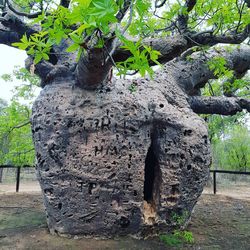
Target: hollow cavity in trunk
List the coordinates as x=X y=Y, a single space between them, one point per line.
x=151 y=186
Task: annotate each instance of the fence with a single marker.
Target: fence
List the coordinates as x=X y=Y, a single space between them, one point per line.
x=18 y=172
x=224 y=172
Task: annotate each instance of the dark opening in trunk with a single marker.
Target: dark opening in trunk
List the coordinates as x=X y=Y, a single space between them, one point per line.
x=151 y=164
x=152 y=178
x=151 y=190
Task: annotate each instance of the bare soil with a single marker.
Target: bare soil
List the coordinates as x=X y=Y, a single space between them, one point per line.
x=27 y=187
x=220 y=221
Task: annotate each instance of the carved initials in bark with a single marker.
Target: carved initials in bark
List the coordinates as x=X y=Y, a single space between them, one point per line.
x=150 y=160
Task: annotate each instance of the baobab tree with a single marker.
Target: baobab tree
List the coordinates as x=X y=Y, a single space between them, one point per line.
x=117 y=156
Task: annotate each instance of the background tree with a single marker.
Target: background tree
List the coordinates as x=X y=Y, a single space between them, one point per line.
x=233 y=151
x=16 y=146
x=3 y=105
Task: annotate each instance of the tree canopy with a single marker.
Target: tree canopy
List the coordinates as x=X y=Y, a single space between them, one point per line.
x=85 y=39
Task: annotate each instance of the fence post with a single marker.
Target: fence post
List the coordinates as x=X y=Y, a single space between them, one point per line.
x=1 y=174
x=18 y=178
x=214 y=178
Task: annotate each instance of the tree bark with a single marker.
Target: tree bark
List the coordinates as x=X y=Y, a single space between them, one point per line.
x=92 y=70
x=218 y=105
x=112 y=162
x=193 y=74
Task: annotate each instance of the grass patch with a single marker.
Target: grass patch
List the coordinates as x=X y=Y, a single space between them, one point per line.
x=177 y=238
x=22 y=219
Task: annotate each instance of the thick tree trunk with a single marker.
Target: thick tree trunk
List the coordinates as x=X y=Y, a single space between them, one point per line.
x=111 y=162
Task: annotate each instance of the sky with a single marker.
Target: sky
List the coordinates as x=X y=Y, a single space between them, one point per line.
x=8 y=59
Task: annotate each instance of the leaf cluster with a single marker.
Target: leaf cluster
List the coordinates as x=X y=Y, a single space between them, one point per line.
x=89 y=23
x=140 y=58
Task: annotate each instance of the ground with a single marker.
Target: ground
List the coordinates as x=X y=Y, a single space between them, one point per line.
x=220 y=221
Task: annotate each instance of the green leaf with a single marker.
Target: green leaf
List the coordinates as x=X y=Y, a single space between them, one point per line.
x=75 y=38
x=45 y=56
x=73 y=47
x=38 y=58
x=21 y=46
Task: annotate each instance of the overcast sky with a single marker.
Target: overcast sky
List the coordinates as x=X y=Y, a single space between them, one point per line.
x=8 y=59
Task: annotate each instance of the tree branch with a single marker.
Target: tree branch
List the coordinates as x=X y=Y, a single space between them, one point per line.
x=12 y=29
x=65 y=3
x=122 y=12
x=182 y=19
x=208 y=38
x=48 y=72
x=19 y=126
x=171 y=47
x=8 y=37
x=218 y=105
x=194 y=74
x=20 y=13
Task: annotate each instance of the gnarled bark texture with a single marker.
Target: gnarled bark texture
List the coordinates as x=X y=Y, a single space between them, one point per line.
x=111 y=162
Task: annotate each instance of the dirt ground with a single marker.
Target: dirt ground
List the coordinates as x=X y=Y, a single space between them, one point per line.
x=31 y=186
x=220 y=221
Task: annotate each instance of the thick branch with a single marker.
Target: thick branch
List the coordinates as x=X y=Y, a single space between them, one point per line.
x=194 y=74
x=169 y=47
x=218 y=105
x=20 y=13
x=59 y=65
x=8 y=37
x=173 y=46
x=92 y=70
x=49 y=73
x=208 y=38
x=12 y=29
